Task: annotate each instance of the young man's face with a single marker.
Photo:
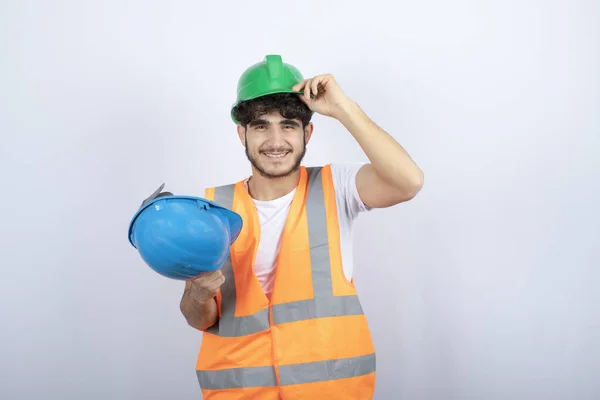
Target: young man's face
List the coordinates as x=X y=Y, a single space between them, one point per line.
x=275 y=145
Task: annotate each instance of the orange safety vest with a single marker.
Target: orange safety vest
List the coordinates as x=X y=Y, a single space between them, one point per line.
x=311 y=340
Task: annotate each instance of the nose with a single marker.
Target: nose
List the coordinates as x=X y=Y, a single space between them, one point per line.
x=277 y=136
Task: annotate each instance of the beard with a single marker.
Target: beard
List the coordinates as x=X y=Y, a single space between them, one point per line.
x=262 y=169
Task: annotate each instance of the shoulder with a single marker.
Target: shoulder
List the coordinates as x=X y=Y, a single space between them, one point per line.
x=344 y=182
x=340 y=172
x=344 y=174
x=221 y=186
x=345 y=169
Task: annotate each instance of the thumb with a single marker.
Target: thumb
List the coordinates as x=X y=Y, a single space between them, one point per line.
x=298 y=87
x=308 y=102
x=201 y=275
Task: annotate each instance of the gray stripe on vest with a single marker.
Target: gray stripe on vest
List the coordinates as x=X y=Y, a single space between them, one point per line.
x=307 y=309
x=324 y=304
x=224 y=196
x=326 y=370
x=237 y=378
x=228 y=325
x=316 y=217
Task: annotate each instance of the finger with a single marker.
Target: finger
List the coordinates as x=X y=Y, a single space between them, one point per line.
x=303 y=98
x=214 y=286
x=307 y=90
x=202 y=275
x=207 y=294
x=216 y=280
x=315 y=87
x=303 y=90
x=207 y=277
x=216 y=276
x=298 y=86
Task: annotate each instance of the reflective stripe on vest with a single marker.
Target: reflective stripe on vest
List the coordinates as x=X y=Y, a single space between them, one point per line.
x=323 y=304
x=237 y=378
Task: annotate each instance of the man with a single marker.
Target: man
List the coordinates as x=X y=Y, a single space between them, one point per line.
x=282 y=319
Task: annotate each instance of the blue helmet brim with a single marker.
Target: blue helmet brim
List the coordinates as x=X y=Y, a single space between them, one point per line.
x=234 y=219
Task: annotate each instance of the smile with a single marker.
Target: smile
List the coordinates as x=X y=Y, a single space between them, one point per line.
x=276 y=155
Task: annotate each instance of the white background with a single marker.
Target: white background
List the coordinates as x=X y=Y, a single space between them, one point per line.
x=483 y=287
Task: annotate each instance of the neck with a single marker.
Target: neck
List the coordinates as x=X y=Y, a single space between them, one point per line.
x=265 y=189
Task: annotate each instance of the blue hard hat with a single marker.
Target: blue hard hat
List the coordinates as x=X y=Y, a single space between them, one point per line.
x=181 y=237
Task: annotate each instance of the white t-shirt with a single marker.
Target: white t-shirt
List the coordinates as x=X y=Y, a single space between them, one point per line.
x=272 y=216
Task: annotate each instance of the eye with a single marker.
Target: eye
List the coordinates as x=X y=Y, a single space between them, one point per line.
x=288 y=127
x=260 y=127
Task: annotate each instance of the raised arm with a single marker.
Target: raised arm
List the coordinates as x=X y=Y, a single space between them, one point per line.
x=392 y=176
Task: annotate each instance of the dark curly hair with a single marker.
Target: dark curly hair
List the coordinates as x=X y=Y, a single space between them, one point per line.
x=289 y=106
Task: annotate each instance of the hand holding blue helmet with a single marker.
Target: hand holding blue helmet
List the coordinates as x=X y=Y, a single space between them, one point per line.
x=181 y=237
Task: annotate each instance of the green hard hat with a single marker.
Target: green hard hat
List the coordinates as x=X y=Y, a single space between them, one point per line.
x=267 y=77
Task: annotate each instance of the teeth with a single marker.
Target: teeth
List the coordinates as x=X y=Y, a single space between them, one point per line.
x=275 y=155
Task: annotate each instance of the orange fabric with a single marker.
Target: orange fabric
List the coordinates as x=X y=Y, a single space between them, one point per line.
x=209 y=194
x=275 y=348
x=268 y=393
x=292 y=284
x=324 y=339
x=230 y=352
x=294 y=342
x=361 y=387
x=249 y=294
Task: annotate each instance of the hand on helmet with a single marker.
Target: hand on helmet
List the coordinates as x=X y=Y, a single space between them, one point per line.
x=323 y=95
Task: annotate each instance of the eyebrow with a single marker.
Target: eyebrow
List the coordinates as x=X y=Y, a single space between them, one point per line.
x=289 y=122
x=265 y=122
x=259 y=122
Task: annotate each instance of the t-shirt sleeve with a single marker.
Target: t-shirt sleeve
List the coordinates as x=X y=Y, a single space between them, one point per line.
x=344 y=182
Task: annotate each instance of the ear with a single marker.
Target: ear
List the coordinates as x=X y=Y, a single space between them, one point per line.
x=242 y=134
x=308 y=131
